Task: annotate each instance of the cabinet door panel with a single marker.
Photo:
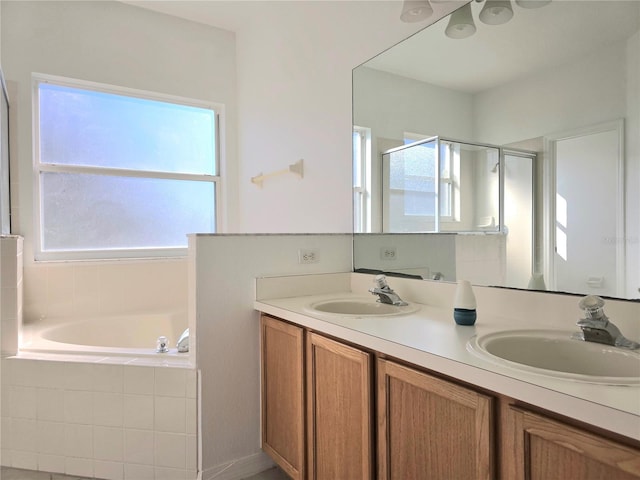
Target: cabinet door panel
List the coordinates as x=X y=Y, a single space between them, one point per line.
x=339 y=411
x=546 y=448
x=430 y=428
x=283 y=395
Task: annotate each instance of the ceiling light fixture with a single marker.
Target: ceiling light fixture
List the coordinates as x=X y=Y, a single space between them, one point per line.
x=532 y=3
x=496 y=12
x=415 y=10
x=461 y=23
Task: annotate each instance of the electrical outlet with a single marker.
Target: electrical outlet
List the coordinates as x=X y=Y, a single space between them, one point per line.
x=308 y=255
x=388 y=253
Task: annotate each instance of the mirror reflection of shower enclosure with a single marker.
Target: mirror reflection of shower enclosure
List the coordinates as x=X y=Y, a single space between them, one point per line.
x=441 y=185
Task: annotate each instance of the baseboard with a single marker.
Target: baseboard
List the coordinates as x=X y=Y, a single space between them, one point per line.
x=240 y=468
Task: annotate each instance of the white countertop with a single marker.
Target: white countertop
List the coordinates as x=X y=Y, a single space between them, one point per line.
x=431 y=339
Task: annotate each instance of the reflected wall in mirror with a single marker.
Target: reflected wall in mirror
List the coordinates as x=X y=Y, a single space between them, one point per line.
x=561 y=81
x=5 y=185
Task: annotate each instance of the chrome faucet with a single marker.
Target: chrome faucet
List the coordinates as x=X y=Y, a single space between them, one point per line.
x=385 y=293
x=596 y=326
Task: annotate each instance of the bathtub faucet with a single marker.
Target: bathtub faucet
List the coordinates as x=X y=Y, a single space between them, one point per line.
x=183 y=342
x=162 y=345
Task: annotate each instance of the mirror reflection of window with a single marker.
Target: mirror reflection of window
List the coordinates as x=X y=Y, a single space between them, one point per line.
x=361 y=179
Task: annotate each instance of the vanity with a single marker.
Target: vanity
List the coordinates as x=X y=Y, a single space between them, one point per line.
x=404 y=395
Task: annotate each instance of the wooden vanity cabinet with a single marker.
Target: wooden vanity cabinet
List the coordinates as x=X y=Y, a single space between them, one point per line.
x=431 y=428
x=283 y=429
x=541 y=448
x=339 y=411
x=320 y=416
x=316 y=400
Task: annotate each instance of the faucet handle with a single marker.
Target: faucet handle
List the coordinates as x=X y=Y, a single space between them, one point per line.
x=381 y=281
x=593 y=307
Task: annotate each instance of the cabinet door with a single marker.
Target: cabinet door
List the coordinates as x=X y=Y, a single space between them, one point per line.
x=546 y=449
x=282 y=350
x=429 y=428
x=339 y=411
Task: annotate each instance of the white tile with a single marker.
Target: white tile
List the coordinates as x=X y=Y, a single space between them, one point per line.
x=51 y=374
x=108 y=409
x=25 y=460
x=78 y=376
x=108 y=470
x=108 y=378
x=9 y=307
x=50 y=438
x=59 y=291
x=192 y=452
x=164 y=473
x=170 y=450
x=24 y=434
x=78 y=441
x=22 y=402
x=138 y=472
x=139 y=380
x=191 y=412
x=138 y=446
x=78 y=407
x=6 y=429
x=192 y=384
x=170 y=382
x=51 y=463
x=82 y=467
x=138 y=412
x=108 y=443
x=170 y=414
x=50 y=405
x=5 y=388
x=5 y=457
x=24 y=372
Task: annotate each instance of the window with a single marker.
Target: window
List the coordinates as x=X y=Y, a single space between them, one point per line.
x=121 y=173
x=449 y=169
x=361 y=179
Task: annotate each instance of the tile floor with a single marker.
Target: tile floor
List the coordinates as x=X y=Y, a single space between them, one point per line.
x=16 y=474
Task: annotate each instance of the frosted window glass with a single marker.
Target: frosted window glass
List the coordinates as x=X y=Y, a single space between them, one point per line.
x=99 y=212
x=90 y=128
x=412 y=179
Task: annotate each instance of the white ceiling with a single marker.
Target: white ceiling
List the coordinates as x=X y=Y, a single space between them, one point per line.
x=532 y=40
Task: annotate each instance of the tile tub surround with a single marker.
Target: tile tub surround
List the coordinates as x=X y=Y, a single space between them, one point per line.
x=114 y=422
x=19 y=474
x=11 y=250
x=430 y=338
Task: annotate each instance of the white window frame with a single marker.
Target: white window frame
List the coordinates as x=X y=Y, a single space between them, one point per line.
x=449 y=175
x=39 y=168
x=362 y=182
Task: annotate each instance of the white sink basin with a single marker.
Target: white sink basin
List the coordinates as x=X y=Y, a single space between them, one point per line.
x=555 y=353
x=359 y=308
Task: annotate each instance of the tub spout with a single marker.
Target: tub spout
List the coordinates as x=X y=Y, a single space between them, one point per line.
x=183 y=342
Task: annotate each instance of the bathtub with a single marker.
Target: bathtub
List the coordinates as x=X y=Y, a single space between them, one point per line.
x=114 y=339
x=101 y=378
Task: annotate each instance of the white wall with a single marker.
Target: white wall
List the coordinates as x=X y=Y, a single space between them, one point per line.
x=223 y=269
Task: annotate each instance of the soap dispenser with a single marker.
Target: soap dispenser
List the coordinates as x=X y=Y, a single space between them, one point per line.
x=464 y=304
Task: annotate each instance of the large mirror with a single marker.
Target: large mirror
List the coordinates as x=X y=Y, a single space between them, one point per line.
x=557 y=90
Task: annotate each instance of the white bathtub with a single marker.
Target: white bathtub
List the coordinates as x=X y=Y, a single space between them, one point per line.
x=121 y=338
